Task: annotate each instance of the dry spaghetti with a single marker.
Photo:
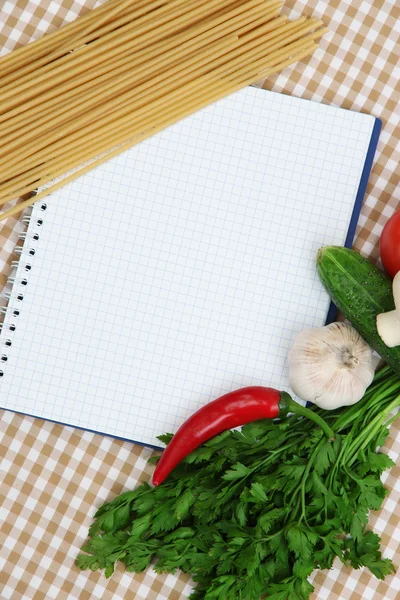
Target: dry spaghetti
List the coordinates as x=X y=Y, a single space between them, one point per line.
x=126 y=70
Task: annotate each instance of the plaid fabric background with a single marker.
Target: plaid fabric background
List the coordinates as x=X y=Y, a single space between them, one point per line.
x=53 y=477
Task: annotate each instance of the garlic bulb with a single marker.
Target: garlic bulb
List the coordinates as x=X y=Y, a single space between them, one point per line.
x=330 y=366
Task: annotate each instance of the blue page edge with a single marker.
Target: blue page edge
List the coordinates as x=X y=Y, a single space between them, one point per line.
x=362 y=188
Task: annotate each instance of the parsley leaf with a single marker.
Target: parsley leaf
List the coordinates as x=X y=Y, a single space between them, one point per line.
x=258 y=492
x=238 y=471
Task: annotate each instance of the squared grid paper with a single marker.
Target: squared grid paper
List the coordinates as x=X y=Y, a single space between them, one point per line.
x=183 y=268
x=47 y=469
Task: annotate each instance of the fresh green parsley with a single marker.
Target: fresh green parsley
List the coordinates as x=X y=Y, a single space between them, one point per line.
x=255 y=512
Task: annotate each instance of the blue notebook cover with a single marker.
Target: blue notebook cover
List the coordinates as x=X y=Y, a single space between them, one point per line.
x=362 y=188
x=119 y=172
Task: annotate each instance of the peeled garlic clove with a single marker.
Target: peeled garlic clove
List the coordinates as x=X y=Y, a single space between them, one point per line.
x=388 y=324
x=330 y=366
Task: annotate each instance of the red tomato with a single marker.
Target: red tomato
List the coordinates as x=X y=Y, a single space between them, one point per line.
x=390 y=245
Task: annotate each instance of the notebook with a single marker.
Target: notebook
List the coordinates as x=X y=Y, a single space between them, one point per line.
x=183 y=268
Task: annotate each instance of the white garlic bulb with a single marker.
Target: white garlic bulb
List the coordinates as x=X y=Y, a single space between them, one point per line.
x=330 y=366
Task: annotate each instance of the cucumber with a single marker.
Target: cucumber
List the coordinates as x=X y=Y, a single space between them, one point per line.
x=361 y=291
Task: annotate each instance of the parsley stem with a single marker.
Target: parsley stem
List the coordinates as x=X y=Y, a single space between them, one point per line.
x=306 y=473
x=269 y=537
x=369 y=433
x=375 y=393
x=375 y=408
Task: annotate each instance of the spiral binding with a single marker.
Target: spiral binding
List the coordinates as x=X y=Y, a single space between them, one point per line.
x=25 y=252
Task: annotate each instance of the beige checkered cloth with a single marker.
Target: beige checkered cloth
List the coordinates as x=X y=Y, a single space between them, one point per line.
x=53 y=477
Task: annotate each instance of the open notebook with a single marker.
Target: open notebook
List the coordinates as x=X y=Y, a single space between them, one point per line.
x=183 y=268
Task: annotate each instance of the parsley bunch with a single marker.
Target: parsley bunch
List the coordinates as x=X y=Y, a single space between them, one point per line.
x=254 y=512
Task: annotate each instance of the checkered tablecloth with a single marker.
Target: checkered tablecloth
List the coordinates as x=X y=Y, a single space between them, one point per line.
x=53 y=477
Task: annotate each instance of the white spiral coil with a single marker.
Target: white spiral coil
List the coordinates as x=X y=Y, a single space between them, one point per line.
x=18 y=281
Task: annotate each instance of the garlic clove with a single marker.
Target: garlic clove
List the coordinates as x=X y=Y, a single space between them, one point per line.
x=388 y=324
x=330 y=366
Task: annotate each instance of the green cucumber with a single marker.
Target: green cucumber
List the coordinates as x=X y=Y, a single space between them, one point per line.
x=361 y=291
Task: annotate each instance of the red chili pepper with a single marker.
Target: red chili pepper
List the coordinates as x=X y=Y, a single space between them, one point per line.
x=230 y=410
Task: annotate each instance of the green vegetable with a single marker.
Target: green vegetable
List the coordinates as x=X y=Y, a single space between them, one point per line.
x=361 y=291
x=255 y=512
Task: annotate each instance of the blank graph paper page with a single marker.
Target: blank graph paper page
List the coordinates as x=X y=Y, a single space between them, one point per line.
x=183 y=268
